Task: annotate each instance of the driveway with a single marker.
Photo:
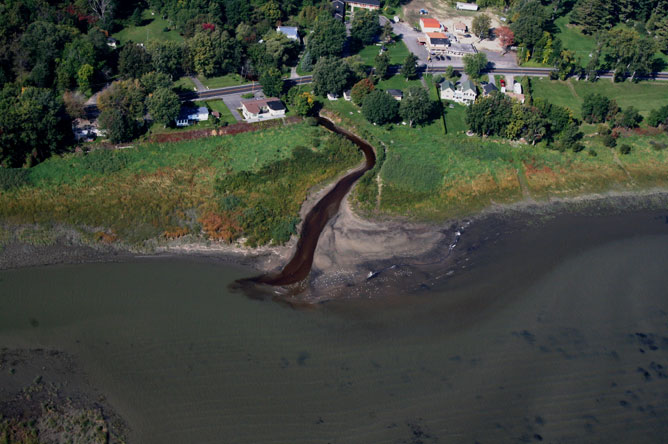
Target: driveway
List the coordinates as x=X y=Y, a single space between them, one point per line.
x=233 y=102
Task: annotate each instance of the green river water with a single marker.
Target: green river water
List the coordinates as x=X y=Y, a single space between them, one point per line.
x=518 y=349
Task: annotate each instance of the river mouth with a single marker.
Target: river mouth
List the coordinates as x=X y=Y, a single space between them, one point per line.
x=299 y=266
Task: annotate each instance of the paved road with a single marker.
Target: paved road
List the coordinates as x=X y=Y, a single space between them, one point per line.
x=241 y=89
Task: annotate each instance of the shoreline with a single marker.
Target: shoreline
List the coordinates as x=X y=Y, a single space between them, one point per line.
x=351 y=250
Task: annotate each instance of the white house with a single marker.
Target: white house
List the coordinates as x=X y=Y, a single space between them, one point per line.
x=430 y=25
x=467 y=6
x=396 y=94
x=347 y=95
x=263 y=109
x=517 y=88
x=290 y=31
x=465 y=92
x=189 y=115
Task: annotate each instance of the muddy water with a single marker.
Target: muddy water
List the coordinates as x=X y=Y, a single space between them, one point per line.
x=555 y=332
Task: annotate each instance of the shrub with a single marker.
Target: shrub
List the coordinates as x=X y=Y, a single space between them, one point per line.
x=592 y=152
x=247 y=96
x=609 y=141
x=625 y=149
x=105 y=161
x=657 y=146
x=13 y=178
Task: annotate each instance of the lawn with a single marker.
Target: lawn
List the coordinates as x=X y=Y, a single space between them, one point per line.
x=152 y=28
x=644 y=96
x=184 y=83
x=249 y=185
x=225 y=114
x=397 y=52
x=222 y=81
x=398 y=82
x=573 y=39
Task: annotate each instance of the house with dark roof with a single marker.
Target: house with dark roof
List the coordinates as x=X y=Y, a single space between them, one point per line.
x=339 y=6
x=397 y=94
x=437 y=41
x=262 y=109
x=488 y=88
x=448 y=90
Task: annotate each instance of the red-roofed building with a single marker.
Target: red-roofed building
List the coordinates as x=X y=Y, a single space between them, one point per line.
x=430 y=25
x=263 y=109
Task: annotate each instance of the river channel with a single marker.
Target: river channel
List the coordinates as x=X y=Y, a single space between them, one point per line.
x=555 y=331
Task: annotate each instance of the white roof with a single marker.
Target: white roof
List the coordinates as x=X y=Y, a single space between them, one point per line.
x=290 y=31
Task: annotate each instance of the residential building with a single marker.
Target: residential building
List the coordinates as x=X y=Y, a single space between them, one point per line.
x=430 y=25
x=488 y=88
x=465 y=92
x=290 y=31
x=262 y=109
x=189 y=115
x=347 y=95
x=397 y=94
x=517 y=88
x=339 y=6
x=467 y=6
x=332 y=96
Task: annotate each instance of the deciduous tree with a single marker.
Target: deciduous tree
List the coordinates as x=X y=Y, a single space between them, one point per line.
x=506 y=36
x=330 y=76
x=409 y=70
x=365 y=27
x=481 y=26
x=272 y=82
x=382 y=65
x=415 y=107
x=164 y=105
x=475 y=64
x=360 y=91
x=327 y=38
x=379 y=107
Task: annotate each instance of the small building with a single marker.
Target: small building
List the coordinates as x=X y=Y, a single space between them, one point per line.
x=488 y=88
x=517 y=88
x=332 y=96
x=347 y=95
x=437 y=41
x=262 y=109
x=461 y=28
x=515 y=96
x=430 y=25
x=290 y=32
x=396 y=94
x=189 y=115
x=85 y=130
x=467 y=6
x=112 y=42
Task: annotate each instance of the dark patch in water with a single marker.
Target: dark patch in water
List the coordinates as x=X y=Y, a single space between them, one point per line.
x=537 y=437
x=34 y=323
x=624 y=403
x=539 y=420
x=284 y=363
x=455 y=358
x=303 y=356
x=645 y=373
x=527 y=336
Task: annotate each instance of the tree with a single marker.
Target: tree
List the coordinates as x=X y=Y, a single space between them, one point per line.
x=365 y=26
x=356 y=66
x=593 y=15
x=415 y=106
x=75 y=55
x=409 y=69
x=490 y=115
x=595 y=108
x=83 y=78
x=658 y=116
x=272 y=83
x=152 y=81
x=166 y=57
x=122 y=107
x=102 y=9
x=304 y=103
x=214 y=52
x=386 y=34
x=506 y=36
x=330 y=76
x=133 y=61
x=382 y=65
x=628 y=118
x=306 y=64
x=75 y=103
x=163 y=105
x=569 y=138
x=327 y=38
x=481 y=26
x=379 y=107
x=360 y=91
x=279 y=50
x=475 y=64
x=530 y=24
x=32 y=125
x=567 y=65
x=629 y=52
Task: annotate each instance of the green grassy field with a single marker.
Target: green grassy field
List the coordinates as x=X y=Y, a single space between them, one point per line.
x=398 y=82
x=174 y=189
x=429 y=175
x=152 y=29
x=184 y=83
x=644 y=96
x=573 y=39
x=396 y=51
x=222 y=81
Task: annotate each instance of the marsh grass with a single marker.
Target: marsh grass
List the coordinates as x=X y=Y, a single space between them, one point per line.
x=160 y=190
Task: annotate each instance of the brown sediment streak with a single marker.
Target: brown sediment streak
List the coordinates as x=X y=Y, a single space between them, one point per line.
x=300 y=265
